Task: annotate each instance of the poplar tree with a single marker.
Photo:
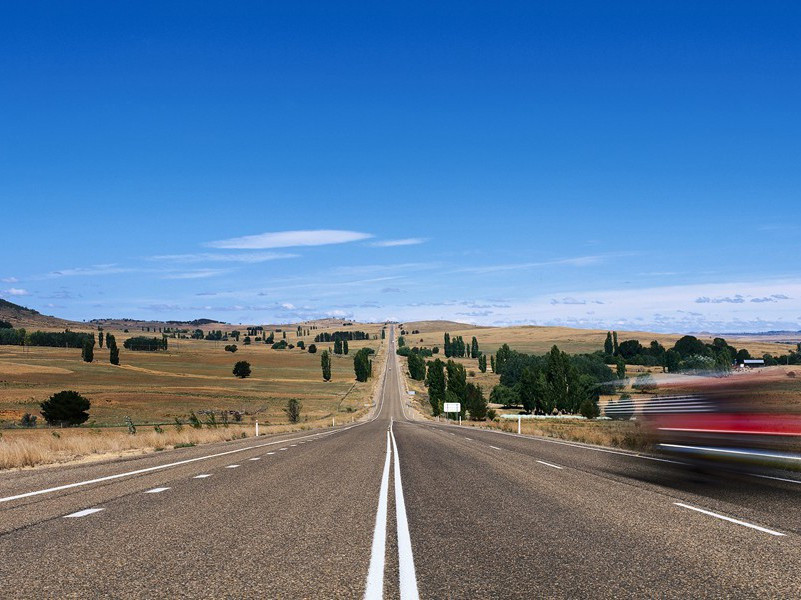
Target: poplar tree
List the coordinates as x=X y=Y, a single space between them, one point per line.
x=435 y=381
x=325 y=363
x=609 y=347
x=474 y=348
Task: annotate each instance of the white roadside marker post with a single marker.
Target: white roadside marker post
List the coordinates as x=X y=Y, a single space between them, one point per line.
x=519 y=419
x=257 y=429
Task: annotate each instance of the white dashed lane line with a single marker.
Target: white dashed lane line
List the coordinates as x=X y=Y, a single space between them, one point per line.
x=729 y=519
x=157 y=490
x=283 y=449
x=271 y=453
x=255 y=458
x=547 y=464
x=202 y=476
x=231 y=466
x=83 y=513
x=495 y=447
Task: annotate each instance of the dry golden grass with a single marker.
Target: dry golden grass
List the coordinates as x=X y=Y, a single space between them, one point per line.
x=538 y=340
x=30 y=448
x=158 y=387
x=616 y=434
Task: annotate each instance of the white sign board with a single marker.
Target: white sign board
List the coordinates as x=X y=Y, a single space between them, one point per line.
x=411 y=392
x=452 y=407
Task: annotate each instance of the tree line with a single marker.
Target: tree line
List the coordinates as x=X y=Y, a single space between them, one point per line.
x=145 y=344
x=687 y=354
x=341 y=336
x=65 y=339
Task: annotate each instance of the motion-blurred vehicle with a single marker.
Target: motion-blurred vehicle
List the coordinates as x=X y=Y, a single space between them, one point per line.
x=724 y=422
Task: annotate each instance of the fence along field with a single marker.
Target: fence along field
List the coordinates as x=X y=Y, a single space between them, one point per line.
x=156 y=388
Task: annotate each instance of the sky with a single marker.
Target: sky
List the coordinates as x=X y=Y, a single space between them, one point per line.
x=629 y=165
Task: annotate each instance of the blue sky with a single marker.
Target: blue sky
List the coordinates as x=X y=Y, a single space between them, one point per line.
x=629 y=165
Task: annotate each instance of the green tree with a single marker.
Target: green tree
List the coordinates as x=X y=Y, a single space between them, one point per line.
x=292 y=410
x=344 y=346
x=312 y=348
x=527 y=390
x=492 y=364
x=689 y=345
x=482 y=363
x=88 y=351
x=672 y=361
x=100 y=338
x=325 y=363
x=589 y=409
x=620 y=368
x=501 y=357
x=242 y=369
x=505 y=396
x=614 y=342
x=476 y=403
x=66 y=408
x=560 y=380
x=447 y=345
x=361 y=365
x=435 y=381
x=609 y=346
x=474 y=348
x=337 y=346
x=417 y=366
x=457 y=382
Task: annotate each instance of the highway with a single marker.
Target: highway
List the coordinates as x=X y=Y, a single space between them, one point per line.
x=396 y=507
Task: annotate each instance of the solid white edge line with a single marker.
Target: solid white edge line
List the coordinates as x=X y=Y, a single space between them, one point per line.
x=524 y=436
x=374 y=588
x=155 y=468
x=547 y=464
x=731 y=520
x=83 y=513
x=775 y=478
x=406 y=573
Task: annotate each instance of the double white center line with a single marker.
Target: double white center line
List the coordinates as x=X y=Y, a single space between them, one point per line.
x=375 y=576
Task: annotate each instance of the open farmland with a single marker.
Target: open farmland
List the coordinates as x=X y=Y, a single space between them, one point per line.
x=192 y=375
x=538 y=340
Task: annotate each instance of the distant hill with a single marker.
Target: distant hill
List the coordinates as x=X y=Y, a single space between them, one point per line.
x=22 y=316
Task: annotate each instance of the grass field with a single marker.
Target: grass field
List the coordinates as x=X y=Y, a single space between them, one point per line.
x=160 y=387
x=538 y=340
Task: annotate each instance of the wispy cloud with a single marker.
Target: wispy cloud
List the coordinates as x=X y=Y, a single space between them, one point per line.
x=17 y=292
x=202 y=257
x=9 y=280
x=577 y=261
x=94 y=270
x=403 y=242
x=771 y=298
x=736 y=299
x=571 y=300
x=198 y=274
x=288 y=239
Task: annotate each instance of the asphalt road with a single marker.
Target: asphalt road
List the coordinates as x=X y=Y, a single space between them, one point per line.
x=396 y=507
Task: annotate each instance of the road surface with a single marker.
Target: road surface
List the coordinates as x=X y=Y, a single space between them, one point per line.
x=396 y=507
